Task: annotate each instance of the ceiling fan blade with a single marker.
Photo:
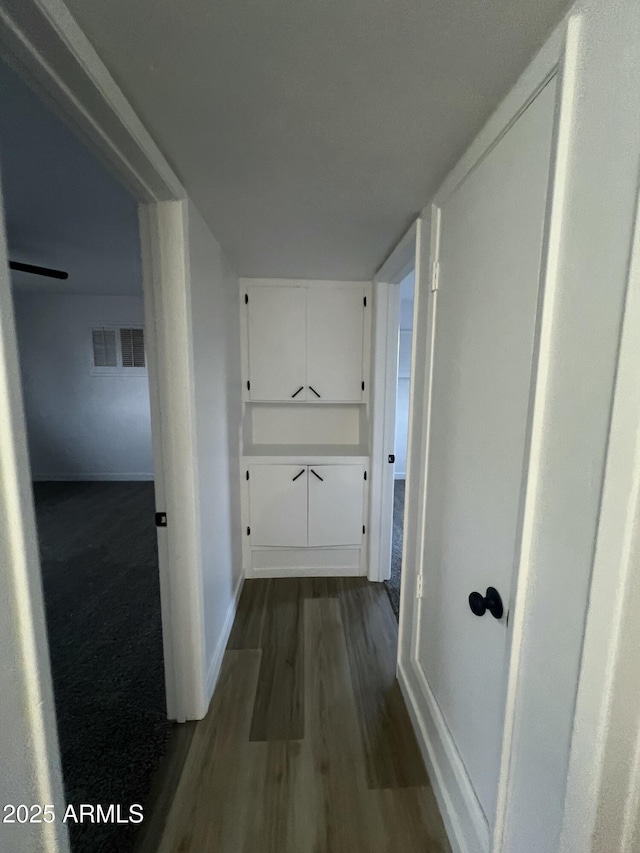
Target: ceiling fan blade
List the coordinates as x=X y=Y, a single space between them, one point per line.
x=30 y=268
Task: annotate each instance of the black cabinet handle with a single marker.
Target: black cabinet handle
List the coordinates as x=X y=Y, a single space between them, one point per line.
x=297 y=392
x=311 y=388
x=317 y=475
x=492 y=602
x=298 y=475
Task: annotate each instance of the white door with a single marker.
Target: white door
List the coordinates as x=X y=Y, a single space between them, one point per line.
x=277 y=343
x=336 y=505
x=335 y=329
x=278 y=505
x=490 y=253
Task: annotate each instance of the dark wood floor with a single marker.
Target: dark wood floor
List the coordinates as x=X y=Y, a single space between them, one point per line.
x=307 y=746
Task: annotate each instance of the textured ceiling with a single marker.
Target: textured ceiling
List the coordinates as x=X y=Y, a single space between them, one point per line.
x=309 y=133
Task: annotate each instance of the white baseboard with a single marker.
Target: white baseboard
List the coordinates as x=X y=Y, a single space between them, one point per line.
x=463 y=818
x=90 y=477
x=399 y=475
x=216 y=660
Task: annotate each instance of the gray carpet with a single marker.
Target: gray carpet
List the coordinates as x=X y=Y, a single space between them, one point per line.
x=393 y=584
x=100 y=575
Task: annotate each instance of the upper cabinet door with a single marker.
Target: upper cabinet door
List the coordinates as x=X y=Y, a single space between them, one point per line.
x=277 y=322
x=335 y=328
x=336 y=505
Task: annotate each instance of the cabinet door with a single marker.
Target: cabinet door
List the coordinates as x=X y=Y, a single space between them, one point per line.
x=277 y=343
x=336 y=504
x=335 y=328
x=278 y=505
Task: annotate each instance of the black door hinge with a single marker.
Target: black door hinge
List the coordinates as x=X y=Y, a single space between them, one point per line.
x=363 y=384
x=248 y=531
x=248 y=385
x=246 y=299
x=392 y=458
x=364 y=529
x=365 y=302
x=365 y=475
x=161 y=519
x=247 y=475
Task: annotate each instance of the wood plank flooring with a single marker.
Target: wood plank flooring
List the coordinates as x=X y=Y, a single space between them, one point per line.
x=307 y=746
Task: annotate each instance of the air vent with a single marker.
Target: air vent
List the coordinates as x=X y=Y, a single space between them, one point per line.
x=132 y=345
x=105 y=351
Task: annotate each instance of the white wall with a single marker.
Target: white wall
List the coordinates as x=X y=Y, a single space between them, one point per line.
x=215 y=310
x=80 y=425
x=404 y=375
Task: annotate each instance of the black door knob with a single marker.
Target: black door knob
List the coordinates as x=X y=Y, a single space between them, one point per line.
x=492 y=602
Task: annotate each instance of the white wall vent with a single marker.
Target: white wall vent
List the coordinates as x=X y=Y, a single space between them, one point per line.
x=118 y=350
x=105 y=349
x=132 y=347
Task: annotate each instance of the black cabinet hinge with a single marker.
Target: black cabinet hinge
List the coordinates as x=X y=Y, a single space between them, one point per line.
x=161 y=519
x=247 y=475
x=392 y=458
x=248 y=531
x=364 y=529
x=365 y=475
x=365 y=302
x=363 y=384
x=246 y=299
x=248 y=385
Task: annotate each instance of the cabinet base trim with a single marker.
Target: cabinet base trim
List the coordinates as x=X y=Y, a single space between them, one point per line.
x=312 y=562
x=288 y=572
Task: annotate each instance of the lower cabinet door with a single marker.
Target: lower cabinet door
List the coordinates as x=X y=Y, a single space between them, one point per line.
x=336 y=505
x=278 y=505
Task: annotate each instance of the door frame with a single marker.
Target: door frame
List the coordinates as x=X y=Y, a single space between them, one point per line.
x=464 y=820
x=602 y=810
x=47 y=48
x=384 y=391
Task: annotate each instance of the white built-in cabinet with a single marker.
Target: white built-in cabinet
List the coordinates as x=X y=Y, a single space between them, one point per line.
x=306 y=344
x=305 y=426
x=306 y=505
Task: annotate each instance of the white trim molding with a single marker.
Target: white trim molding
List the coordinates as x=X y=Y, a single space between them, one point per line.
x=221 y=645
x=91 y=476
x=29 y=753
x=42 y=40
x=461 y=812
x=166 y=274
x=602 y=811
x=384 y=389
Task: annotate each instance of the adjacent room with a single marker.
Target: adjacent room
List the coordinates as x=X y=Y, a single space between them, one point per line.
x=77 y=286
x=405 y=334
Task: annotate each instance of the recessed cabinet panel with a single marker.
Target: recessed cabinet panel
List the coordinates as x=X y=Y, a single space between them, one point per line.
x=335 y=328
x=336 y=505
x=278 y=505
x=277 y=343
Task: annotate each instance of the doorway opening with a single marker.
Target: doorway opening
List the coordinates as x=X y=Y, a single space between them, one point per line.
x=74 y=244
x=403 y=385
x=396 y=288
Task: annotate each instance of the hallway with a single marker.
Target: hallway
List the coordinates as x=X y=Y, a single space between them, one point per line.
x=307 y=745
